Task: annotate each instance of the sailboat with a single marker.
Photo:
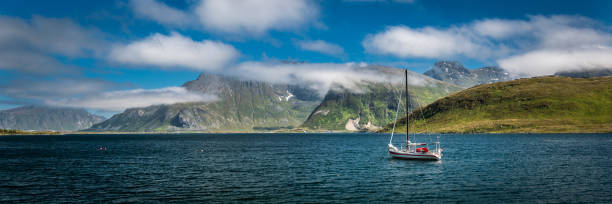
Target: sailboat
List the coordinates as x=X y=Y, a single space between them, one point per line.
x=412 y=151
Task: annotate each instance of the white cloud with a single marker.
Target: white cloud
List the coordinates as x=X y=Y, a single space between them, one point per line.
x=121 y=100
x=255 y=16
x=30 y=46
x=49 y=35
x=426 y=42
x=40 y=89
x=498 y=28
x=175 y=51
x=31 y=63
x=319 y=76
x=161 y=13
x=556 y=44
x=543 y=31
x=322 y=47
x=237 y=17
x=546 y=62
x=537 y=45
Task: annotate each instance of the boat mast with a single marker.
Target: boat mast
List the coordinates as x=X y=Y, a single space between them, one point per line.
x=407 y=124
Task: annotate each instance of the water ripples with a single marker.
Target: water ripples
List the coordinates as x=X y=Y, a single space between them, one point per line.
x=302 y=167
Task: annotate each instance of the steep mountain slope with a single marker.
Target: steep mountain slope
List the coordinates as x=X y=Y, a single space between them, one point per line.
x=543 y=104
x=456 y=73
x=375 y=106
x=47 y=118
x=241 y=106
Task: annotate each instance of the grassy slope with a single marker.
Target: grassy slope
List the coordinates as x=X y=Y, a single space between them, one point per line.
x=339 y=106
x=535 y=105
x=20 y=132
x=377 y=105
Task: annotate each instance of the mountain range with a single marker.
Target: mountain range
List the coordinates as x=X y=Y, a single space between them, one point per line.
x=47 y=118
x=242 y=105
x=250 y=105
x=455 y=73
x=247 y=105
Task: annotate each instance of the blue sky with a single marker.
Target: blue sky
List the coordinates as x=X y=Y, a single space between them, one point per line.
x=87 y=53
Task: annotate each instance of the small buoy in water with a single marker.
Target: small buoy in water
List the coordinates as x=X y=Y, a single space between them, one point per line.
x=201 y=150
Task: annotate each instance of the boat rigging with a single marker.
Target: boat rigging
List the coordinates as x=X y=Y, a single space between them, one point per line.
x=413 y=151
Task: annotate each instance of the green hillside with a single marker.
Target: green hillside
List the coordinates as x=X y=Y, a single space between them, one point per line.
x=534 y=105
x=241 y=106
x=375 y=106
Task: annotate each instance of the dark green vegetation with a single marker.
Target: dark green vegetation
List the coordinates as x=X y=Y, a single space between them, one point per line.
x=47 y=118
x=20 y=132
x=534 y=105
x=241 y=106
x=375 y=105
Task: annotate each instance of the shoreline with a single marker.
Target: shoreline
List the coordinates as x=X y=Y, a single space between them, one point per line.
x=308 y=132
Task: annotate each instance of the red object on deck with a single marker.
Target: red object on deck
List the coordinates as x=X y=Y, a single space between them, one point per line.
x=422 y=149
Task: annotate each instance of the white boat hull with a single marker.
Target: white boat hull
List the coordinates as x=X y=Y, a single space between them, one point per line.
x=399 y=154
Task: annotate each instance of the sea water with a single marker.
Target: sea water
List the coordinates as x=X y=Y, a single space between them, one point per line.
x=482 y=168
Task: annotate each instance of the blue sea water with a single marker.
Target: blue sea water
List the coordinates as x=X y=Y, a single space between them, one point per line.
x=482 y=168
